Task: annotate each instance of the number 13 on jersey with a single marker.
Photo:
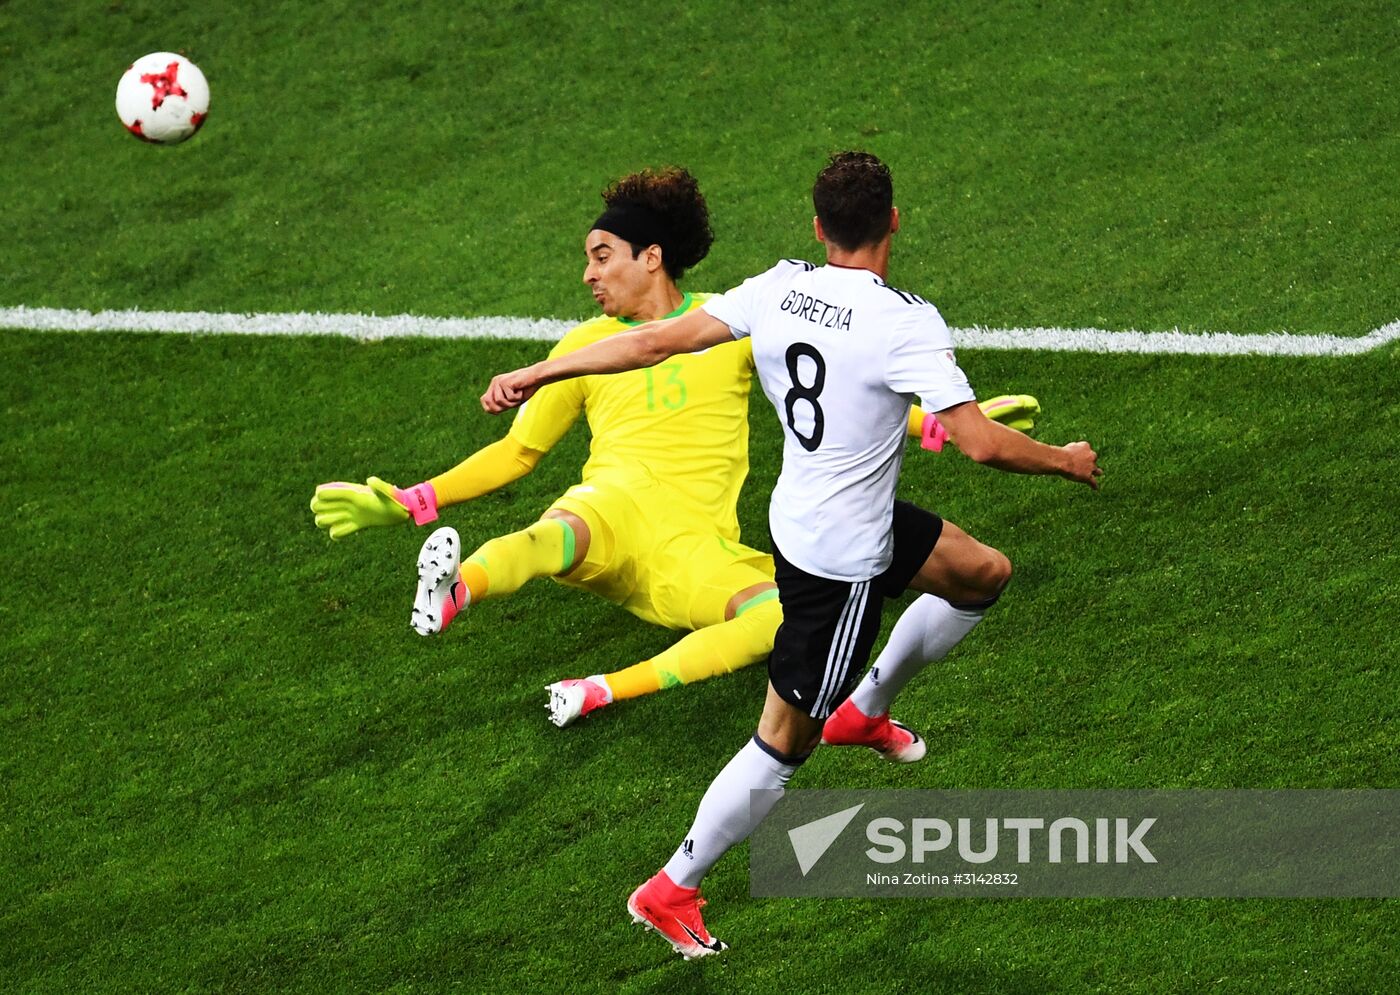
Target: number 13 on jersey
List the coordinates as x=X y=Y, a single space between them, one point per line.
x=671 y=390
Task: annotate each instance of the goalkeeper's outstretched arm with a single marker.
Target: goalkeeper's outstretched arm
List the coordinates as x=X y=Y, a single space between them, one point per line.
x=1016 y=411
x=343 y=508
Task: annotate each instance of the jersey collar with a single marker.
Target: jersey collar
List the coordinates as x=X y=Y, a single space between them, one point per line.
x=684 y=307
x=853 y=269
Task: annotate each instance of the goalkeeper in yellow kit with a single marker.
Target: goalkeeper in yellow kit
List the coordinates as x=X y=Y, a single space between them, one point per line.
x=652 y=525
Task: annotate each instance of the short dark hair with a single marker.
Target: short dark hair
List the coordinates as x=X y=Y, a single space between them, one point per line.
x=674 y=196
x=853 y=196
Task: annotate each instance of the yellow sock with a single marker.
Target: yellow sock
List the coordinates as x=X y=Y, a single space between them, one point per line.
x=708 y=652
x=503 y=565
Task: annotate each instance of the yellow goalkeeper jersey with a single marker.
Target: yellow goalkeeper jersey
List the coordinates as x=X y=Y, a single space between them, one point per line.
x=683 y=423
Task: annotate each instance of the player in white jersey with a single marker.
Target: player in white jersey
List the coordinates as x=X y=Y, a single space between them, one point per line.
x=841 y=355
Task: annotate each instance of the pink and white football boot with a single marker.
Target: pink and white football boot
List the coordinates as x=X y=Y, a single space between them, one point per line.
x=441 y=593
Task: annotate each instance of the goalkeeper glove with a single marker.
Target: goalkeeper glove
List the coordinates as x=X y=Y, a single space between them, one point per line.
x=342 y=508
x=1016 y=411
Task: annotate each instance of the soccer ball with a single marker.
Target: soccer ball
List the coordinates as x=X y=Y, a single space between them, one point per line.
x=162 y=98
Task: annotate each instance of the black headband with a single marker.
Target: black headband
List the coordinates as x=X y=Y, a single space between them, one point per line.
x=637 y=224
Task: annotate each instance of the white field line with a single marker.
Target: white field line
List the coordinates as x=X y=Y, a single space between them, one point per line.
x=374 y=327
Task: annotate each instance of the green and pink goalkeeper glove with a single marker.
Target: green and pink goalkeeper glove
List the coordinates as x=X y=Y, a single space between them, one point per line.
x=342 y=508
x=1016 y=411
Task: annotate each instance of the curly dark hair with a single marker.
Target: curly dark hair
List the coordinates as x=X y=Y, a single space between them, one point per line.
x=674 y=196
x=853 y=196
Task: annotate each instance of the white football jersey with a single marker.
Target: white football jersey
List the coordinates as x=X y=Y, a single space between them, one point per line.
x=841 y=355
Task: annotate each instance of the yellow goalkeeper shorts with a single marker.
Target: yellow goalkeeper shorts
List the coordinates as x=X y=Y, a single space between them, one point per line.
x=672 y=570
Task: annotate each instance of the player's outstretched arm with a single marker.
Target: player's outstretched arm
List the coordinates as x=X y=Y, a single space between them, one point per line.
x=995 y=445
x=646 y=345
x=343 y=508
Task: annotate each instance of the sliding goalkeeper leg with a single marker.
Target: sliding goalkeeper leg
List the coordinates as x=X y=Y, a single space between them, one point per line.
x=447 y=583
x=734 y=614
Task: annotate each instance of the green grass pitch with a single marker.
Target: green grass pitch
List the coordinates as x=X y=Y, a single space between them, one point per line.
x=229 y=765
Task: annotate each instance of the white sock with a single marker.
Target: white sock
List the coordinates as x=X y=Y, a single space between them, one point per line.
x=726 y=815
x=927 y=630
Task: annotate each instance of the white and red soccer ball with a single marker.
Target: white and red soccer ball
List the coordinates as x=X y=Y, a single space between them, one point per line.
x=162 y=98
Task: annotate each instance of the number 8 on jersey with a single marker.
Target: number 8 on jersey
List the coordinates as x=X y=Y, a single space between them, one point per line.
x=804 y=392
